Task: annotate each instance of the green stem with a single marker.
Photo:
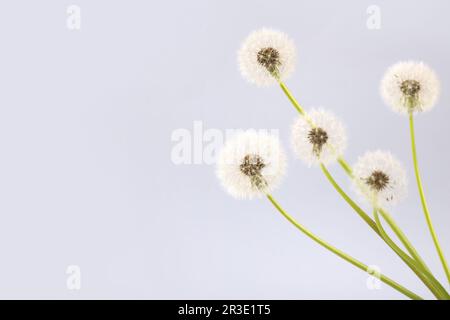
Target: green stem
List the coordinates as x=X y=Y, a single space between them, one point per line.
x=410 y=262
x=402 y=237
x=426 y=277
x=423 y=200
x=352 y=204
x=292 y=99
x=347 y=168
x=340 y=253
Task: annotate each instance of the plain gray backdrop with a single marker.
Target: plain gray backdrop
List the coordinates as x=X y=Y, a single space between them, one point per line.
x=86 y=176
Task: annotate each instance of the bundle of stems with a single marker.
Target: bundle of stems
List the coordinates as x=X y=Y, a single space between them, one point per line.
x=411 y=258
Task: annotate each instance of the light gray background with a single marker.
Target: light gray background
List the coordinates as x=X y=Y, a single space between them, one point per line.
x=86 y=120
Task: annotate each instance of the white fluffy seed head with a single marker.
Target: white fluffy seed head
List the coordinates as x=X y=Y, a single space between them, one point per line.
x=380 y=178
x=265 y=56
x=410 y=87
x=318 y=138
x=251 y=164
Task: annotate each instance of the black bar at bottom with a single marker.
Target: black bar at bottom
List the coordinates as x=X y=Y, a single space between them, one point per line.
x=225 y=309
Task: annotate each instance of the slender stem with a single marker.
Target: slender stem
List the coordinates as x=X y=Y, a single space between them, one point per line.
x=402 y=237
x=423 y=200
x=426 y=277
x=347 y=168
x=410 y=262
x=292 y=99
x=415 y=255
x=352 y=204
x=340 y=253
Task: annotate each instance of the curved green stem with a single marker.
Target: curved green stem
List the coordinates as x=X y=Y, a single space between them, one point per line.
x=423 y=200
x=340 y=253
x=347 y=168
x=402 y=237
x=426 y=277
x=418 y=270
x=352 y=204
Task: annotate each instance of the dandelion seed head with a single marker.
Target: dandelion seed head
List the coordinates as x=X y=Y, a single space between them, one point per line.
x=377 y=181
x=320 y=138
x=269 y=58
x=251 y=164
x=265 y=56
x=410 y=87
x=380 y=178
x=317 y=138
